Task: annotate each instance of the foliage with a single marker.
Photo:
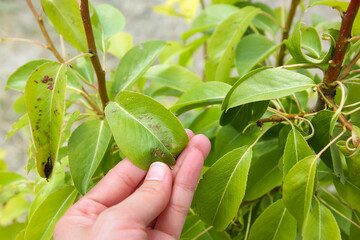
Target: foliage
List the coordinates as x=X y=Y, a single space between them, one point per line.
x=281 y=165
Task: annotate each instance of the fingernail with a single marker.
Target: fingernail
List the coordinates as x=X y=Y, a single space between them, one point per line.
x=157 y=171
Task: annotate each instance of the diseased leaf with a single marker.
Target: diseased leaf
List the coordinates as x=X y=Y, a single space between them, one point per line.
x=173 y=76
x=298 y=188
x=64 y=16
x=17 y=80
x=251 y=50
x=222 y=43
x=144 y=130
x=321 y=224
x=296 y=148
x=275 y=222
x=42 y=223
x=267 y=84
x=135 y=63
x=222 y=188
x=45 y=102
x=208 y=93
x=86 y=148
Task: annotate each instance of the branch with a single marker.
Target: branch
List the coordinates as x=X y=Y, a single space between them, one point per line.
x=335 y=65
x=349 y=67
x=260 y=122
x=100 y=73
x=286 y=30
x=39 y=19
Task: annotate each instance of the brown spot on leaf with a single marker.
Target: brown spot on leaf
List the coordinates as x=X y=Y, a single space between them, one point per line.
x=48 y=168
x=39 y=99
x=112 y=111
x=51 y=87
x=36 y=81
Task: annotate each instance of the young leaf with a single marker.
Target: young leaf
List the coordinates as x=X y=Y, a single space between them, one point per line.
x=321 y=224
x=275 y=222
x=64 y=16
x=298 y=188
x=17 y=80
x=296 y=148
x=268 y=84
x=208 y=93
x=42 y=223
x=222 y=188
x=206 y=120
x=135 y=63
x=120 y=43
x=22 y=122
x=251 y=50
x=222 y=44
x=45 y=102
x=144 y=130
x=173 y=76
x=308 y=39
x=86 y=148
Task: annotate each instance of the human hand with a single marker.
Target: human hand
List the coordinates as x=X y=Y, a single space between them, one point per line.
x=124 y=205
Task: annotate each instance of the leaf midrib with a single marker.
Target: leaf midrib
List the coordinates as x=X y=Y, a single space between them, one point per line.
x=228 y=182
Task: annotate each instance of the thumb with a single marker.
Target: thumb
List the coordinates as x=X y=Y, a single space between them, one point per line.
x=149 y=200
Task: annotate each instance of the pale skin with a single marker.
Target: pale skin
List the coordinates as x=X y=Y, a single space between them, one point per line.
x=130 y=203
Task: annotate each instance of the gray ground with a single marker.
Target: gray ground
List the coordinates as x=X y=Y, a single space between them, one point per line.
x=16 y=20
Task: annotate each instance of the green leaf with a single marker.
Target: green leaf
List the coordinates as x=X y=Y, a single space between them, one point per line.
x=42 y=223
x=222 y=188
x=14 y=209
x=64 y=16
x=296 y=148
x=119 y=44
x=228 y=138
x=242 y=116
x=307 y=38
x=135 y=63
x=17 y=80
x=222 y=44
x=192 y=227
x=349 y=192
x=86 y=148
x=111 y=19
x=45 y=102
x=209 y=18
x=268 y=84
x=10 y=231
x=21 y=123
x=321 y=224
x=144 y=130
x=208 y=93
x=206 y=120
x=251 y=50
x=275 y=222
x=298 y=188
x=321 y=138
x=8 y=178
x=264 y=174
x=173 y=76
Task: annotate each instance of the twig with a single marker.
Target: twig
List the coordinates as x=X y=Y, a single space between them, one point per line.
x=100 y=74
x=349 y=67
x=79 y=56
x=93 y=105
x=24 y=40
x=272 y=18
x=39 y=19
x=248 y=223
x=353 y=39
x=202 y=233
x=302 y=65
x=286 y=30
x=280 y=119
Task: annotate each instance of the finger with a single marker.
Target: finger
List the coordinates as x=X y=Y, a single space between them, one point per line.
x=147 y=202
x=118 y=184
x=173 y=217
x=200 y=142
x=189 y=133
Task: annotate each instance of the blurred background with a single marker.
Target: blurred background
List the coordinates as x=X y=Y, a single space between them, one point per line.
x=16 y=20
